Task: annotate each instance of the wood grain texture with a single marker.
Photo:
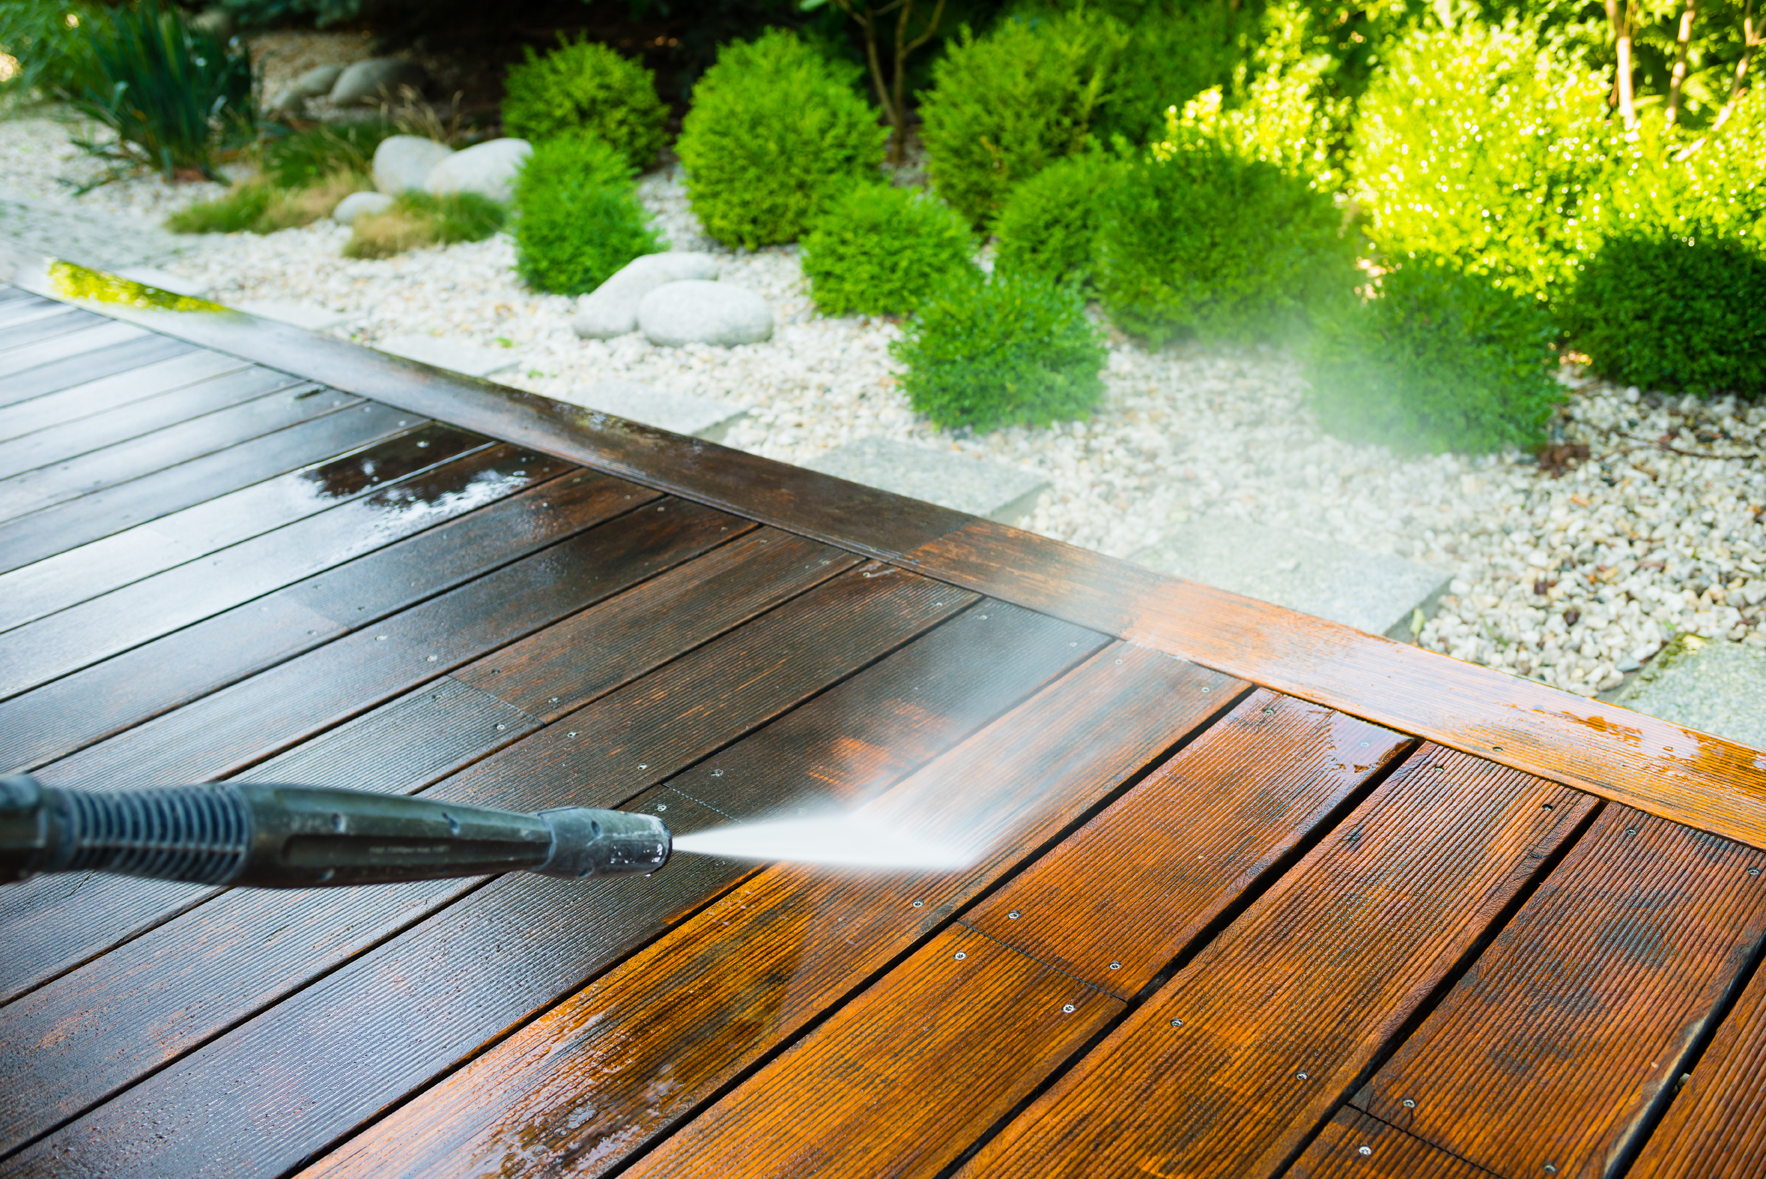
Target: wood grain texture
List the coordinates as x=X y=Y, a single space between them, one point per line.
x=119 y=358
x=1673 y=772
x=66 y=347
x=1562 y=1041
x=1232 y=1065
x=460 y=977
x=903 y=1076
x=624 y=1060
x=1116 y=903
x=114 y=392
x=1355 y=1146
x=458 y=545
x=42 y=327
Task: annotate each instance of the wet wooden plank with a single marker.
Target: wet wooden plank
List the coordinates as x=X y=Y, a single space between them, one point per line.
x=42 y=327
x=113 y=392
x=69 y=346
x=151 y=434
x=1562 y=1042
x=607 y=1071
x=1229 y=1068
x=1126 y=895
x=1355 y=1146
x=63 y=374
x=1654 y=765
x=568 y=928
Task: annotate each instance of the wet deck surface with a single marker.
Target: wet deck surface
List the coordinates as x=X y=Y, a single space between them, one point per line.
x=1259 y=895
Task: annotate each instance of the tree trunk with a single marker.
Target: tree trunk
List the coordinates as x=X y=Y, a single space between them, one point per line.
x=1619 y=16
x=1679 y=77
x=1750 y=38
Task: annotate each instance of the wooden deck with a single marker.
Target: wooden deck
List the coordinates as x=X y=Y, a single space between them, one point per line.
x=1262 y=895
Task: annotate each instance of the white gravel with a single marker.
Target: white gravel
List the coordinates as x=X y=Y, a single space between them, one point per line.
x=1570 y=580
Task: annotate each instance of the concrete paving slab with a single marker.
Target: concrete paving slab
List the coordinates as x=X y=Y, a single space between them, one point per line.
x=1715 y=687
x=301 y=315
x=1374 y=592
x=87 y=237
x=684 y=413
x=945 y=478
x=451 y=354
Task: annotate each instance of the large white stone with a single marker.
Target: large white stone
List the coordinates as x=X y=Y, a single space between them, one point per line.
x=611 y=309
x=487 y=168
x=700 y=312
x=403 y=162
x=683 y=413
x=360 y=204
x=450 y=354
x=379 y=79
x=316 y=82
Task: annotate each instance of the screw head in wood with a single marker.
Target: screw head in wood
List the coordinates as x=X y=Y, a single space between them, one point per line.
x=1407 y=1103
x=1115 y=966
x=1068 y=1008
x=1300 y=1076
x=1177 y=1023
x=1753 y=871
x=1014 y=913
x=919 y=904
x=961 y=955
x=1365 y=1151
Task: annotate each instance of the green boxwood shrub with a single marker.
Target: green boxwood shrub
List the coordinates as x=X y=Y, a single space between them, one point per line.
x=1174 y=55
x=578 y=218
x=776 y=132
x=1439 y=360
x=1480 y=145
x=1670 y=312
x=878 y=250
x=1049 y=227
x=1199 y=241
x=1005 y=106
x=985 y=352
x=585 y=86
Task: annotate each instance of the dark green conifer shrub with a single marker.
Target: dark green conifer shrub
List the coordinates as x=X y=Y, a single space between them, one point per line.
x=578 y=218
x=1049 y=227
x=776 y=132
x=986 y=352
x=1438 y=360
x=585 y=86
x=1686 y=313
x=878 y=250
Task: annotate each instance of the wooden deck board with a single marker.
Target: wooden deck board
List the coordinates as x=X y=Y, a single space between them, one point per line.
x=1168 y=785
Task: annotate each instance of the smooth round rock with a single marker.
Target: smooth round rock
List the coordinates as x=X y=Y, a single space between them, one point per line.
x=377 y=80
x=316 y=82
x=700 y=312
x=287 y=101
x=214 y=20
x=404 y=162
x=611 y=309
x=360 y=204
x=487 y=168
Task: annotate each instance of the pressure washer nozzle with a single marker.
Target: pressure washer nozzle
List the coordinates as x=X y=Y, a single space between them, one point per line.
x=271 y=836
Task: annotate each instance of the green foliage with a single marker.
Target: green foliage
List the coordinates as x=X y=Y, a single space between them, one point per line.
x=878 y=250
x=172 y=94
x=586 y=86
x=1714 y=183
x=1049 y=227
x=307 y=157
x=579 y=219
x=51 y=52
x=985 y=352
x=1173 y=53
x=1439 y=360
x=775 y=134
x=1670 y=312
x=1197 y=240
x=418 y=219
x=1005 y=106
x=264 y=207
x=1480 y=145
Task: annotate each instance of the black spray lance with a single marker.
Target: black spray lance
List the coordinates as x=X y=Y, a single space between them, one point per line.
x=270 y=836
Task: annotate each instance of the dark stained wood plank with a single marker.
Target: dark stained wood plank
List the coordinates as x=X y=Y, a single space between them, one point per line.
x=458 y=545
x=63 y=374
x=1232 y=1065
x=18 y=334
x=161 y=424
x=73 y=344
x=1119 y=901
x=1355 y=1146
x=1654 y=765
x=113 y=392
x=594 y=1079
x=885 y=1103
x=700 y=702
x=1562 y=1042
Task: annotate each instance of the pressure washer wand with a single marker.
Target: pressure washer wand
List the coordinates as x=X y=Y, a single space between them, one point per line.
x=273 y=836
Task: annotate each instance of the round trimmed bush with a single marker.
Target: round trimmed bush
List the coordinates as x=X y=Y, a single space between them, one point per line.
x=985 y=352
x=1198 y=240
x=1438 y=360
x=1049 y=227
x=585 y=86
x=776 y=133
x=878 y=250
x=579 y=219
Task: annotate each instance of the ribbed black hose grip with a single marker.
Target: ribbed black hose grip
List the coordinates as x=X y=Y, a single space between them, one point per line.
x=198 y=834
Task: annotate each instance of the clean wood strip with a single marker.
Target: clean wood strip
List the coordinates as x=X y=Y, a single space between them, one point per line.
x=119 y=358
x=1654 y=765
x=1231 y=1066
x=20 y=307
x=114 y=392
x=1355 y=1146
x=607 y=1071
x=18 y=333
x=79 y=343
x=459 y=977
x=1117 y=902
x=459 y=544
x=1568 y=1032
